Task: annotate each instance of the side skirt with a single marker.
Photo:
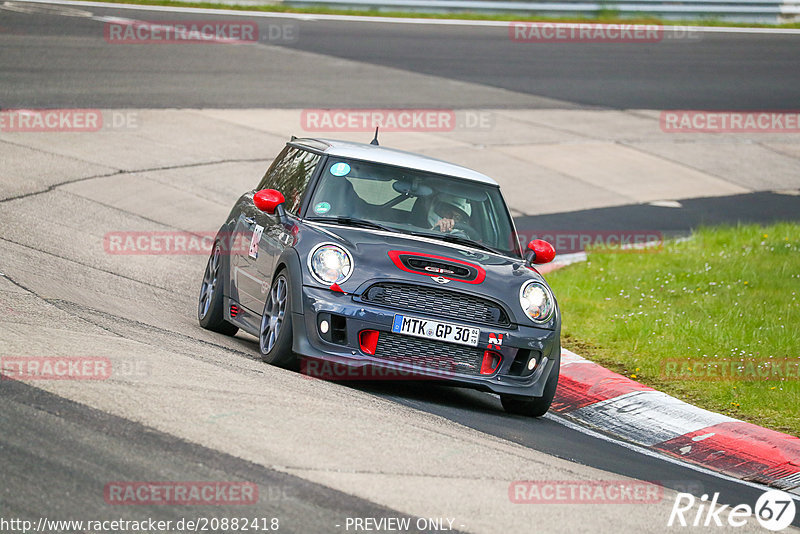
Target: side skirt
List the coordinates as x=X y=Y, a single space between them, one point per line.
x=244 y=318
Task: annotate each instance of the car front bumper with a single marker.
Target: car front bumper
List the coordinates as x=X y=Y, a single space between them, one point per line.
x=440 y=361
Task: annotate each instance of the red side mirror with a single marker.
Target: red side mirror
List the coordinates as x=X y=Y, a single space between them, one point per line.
x=268 y=200
x=543 y=252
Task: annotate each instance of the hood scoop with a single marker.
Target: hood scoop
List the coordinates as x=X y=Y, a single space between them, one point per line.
x=436 y=267
x=430 y=265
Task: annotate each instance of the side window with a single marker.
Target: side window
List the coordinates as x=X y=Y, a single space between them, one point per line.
x=266 y=181
x=379 y=192
x=290 y=174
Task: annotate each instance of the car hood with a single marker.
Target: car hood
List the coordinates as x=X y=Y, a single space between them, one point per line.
x=379 y=255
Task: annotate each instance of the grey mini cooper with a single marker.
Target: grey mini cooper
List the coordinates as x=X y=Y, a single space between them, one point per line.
x=388 y=265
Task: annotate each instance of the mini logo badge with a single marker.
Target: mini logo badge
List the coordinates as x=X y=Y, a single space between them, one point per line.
x=440 y=279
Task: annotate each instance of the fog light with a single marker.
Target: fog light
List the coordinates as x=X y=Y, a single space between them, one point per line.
x=324 y=327
x=531 y=364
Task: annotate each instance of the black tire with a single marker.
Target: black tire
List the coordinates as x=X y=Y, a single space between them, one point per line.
x=210 y=312
x=533 y=406
x=275 y=333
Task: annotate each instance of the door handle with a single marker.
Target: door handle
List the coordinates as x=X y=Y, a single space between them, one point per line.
x=249 y=220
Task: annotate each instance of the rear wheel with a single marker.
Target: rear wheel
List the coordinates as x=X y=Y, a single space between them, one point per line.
x=533 y=406
x=275 y=337
x=210 y=312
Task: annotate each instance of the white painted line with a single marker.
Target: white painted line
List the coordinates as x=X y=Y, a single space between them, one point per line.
x=666 y=204
x=792 y=482
x=647 y=417
x=569 y=358
x=383 y=20
x=654 y=454
x=704 y=436
x=568 y=259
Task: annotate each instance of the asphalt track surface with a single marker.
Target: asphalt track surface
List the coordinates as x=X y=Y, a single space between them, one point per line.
x=94 y=447
x=48 y=61
x=57 y=61
x=752 y=208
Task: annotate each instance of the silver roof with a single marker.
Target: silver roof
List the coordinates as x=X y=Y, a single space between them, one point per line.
x=399 y=158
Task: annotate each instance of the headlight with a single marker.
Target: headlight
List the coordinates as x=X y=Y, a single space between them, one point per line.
x=330 y=264
x=537 y=302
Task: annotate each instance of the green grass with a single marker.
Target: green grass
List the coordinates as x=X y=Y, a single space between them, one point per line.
x=726 y=293
x=608 y=16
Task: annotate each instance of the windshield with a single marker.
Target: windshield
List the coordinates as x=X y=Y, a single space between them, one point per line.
x=413 y=201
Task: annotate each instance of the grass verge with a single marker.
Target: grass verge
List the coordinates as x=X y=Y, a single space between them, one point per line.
x=603 y=16
x=703 y=319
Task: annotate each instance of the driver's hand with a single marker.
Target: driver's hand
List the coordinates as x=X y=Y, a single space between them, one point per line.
x=445 y=225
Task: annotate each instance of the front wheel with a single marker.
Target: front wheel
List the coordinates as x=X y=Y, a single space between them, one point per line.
x=275 y=334
x=210 y=312
x=533 y=406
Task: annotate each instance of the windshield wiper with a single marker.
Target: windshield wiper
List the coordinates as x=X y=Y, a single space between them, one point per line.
x=353 y=221
x=460 y=240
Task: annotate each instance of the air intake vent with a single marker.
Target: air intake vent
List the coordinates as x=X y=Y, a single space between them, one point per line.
x=435 y=267
x=429 y=265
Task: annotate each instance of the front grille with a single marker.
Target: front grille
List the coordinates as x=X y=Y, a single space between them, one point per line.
x=438 y=302
x=437 y=355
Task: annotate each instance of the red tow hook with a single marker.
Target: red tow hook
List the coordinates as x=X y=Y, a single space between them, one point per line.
x=368 y=341
x=491 y=361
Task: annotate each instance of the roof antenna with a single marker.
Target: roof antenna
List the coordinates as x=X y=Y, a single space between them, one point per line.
x=375 y=139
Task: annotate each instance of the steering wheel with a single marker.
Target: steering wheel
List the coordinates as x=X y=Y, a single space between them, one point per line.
x=466 y=229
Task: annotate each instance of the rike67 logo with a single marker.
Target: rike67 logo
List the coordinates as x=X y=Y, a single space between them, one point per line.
x=774 y=509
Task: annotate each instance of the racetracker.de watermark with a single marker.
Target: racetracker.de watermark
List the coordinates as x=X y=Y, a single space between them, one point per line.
x=66 y=120
x=619 y=241
x=395 y=120
x=54 y=368
x=160 y=243
x=127 y=31
x=688 y=121
x=180 y=493
x=555 y=32
x=775 y=510
x=585 y=492
x=429 y=368
x=750 y=369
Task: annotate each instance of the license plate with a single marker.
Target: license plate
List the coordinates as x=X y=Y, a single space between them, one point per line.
x=449 y=332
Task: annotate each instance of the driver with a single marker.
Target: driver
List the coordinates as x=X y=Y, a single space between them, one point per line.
x=447 y=211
